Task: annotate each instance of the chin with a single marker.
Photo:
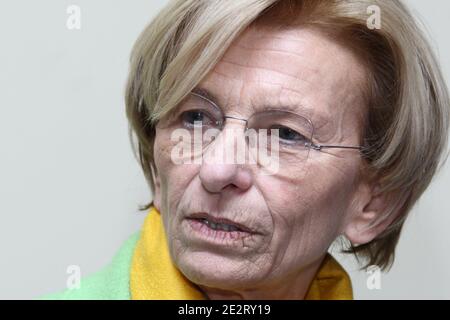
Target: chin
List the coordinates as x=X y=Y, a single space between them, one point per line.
x=212 y=270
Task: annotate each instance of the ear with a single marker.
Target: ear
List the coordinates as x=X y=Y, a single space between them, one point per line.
x=370 y=214
x=157 y=191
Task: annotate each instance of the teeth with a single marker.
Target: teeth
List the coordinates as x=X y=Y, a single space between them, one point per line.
x=220 y=226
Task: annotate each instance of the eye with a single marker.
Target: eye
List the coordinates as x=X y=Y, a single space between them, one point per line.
x=194 y=118
x=289 y=135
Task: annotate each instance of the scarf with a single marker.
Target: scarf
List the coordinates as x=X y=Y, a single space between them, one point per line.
x=155 y=277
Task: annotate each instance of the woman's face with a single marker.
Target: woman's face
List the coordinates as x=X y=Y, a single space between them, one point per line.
x=294 y=215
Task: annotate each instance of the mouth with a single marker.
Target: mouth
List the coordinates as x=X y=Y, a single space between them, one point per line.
x=220 y=224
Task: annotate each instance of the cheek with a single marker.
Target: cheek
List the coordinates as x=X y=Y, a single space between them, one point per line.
x=328 y=192
x=308 y=213
x=174 y=178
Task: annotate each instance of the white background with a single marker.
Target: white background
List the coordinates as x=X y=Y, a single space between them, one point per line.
x=69 y=184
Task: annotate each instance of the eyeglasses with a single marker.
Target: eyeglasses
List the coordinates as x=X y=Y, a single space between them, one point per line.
x=274 y=131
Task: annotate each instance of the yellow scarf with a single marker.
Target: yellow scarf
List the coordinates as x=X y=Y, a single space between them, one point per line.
x=154 y=276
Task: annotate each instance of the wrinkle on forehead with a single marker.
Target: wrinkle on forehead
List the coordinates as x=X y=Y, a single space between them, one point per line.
x=302 y=66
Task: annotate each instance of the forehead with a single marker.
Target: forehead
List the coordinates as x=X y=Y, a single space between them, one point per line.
x=293 y=68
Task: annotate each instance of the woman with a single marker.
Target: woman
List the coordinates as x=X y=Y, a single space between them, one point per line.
x=355 y=121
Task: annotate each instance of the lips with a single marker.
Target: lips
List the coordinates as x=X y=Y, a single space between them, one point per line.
x=221 y=223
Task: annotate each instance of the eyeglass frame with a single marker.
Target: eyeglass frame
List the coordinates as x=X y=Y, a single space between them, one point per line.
x=312 y=145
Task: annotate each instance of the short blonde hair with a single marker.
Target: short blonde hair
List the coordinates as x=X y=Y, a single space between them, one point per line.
x=407 y=121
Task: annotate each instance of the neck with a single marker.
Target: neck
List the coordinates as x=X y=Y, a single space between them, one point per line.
x=292 y=288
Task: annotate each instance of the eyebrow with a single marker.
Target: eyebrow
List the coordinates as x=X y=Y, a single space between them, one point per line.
x=308 y=112
x=206 y=94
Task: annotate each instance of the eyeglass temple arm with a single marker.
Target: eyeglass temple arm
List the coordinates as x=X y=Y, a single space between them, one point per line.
x=319 y=147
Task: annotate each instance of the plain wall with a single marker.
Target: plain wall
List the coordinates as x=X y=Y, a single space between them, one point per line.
x=69 y=183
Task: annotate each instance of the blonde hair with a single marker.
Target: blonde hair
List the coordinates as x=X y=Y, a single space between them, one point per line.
x=406 y=127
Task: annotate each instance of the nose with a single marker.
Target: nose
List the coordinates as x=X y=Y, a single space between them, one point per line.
x=216 y=173
x=215 y=178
